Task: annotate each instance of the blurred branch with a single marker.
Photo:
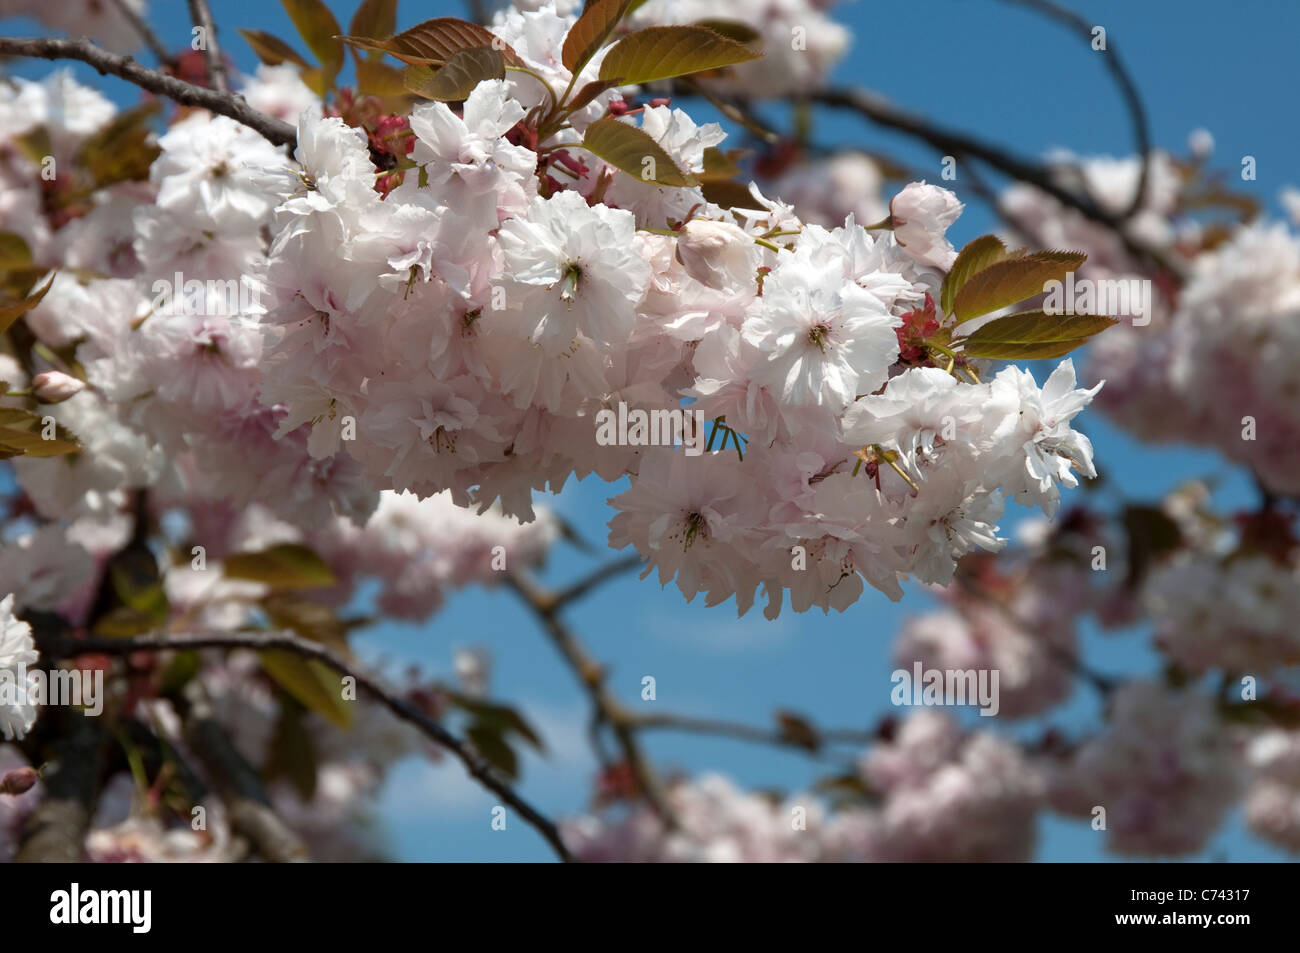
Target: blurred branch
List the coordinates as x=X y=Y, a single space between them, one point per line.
x=187 y=94
x=240 y=787
x=56 y=831
x=609 y=710
x=149 y=37
x=202 y=18
x=1128 y=89
x=475 y=764
x=742 y=732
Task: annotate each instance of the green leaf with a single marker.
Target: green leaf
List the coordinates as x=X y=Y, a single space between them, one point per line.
x=122 y=150
x=14 y=252
x=375 y=78
x=12 y=312
x=123 y=623
x=313 y=683
x=272 y=50
x=588 y=92
x=374 y=18
x=975 y=257
x=732 y=30
x=455 y=81
x=436 y=41
x=311 y=620
x=491 y=744
x=292 y=754
x=285 y=566
x=589 y=33
x=627 y=149
x=22 y=434
x=1033 y=335
x=178 y=674
x=1011 y=280
x=797 y=730
x=501 y=718
x=720 y=165
x=1151 y=534
x=663 y=52
x=320 y=31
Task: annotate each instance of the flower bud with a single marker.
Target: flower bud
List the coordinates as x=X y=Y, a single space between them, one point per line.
x=921 y=215
x=716 y=254
x=19 y=781
x=54 y=387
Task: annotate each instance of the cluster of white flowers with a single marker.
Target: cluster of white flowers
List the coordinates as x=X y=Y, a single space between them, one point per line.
x=461 y=332
x=942 y=795
x=104 y=20
x=1165 y=769
x=1237 y=614
x=1272 y=801
x=17 y=653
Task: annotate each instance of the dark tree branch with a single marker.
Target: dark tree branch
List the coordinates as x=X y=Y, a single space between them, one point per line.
x=202 y=18
x=187 y=94
x=240 y=787
x=958 y=144
x=56 y=831
x=475 y=764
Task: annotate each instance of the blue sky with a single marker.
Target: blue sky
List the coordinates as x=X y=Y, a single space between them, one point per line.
x=979 y=65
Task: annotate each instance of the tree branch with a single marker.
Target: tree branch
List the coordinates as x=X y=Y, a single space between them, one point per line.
x=951 y=142
x=149 y=37
x=202 y=17
x=475 y=764
x=589 y=672
x=1128 y=89
x=56 y=831
x=240 y=787
x=187 y=94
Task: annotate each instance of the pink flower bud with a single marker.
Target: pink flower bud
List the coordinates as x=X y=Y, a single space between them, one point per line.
x=54 y=387
x=921 y=214
x=19 y=781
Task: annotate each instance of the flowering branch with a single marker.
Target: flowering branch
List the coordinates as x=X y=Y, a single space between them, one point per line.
x=475 y=764
x=274 y=130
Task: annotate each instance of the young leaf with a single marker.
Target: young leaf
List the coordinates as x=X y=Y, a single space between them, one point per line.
x=630 y=150
x=14 y=252
x=320 y=31
x=455 y=81
x=293 y=750
x=374 y=18
x=313 y=683
x=284 y=566
x=1032 y=335
x=122 y=150
x=593 y=28
x=975 y=257
x=434 y=42
x=589 y=92
x=732 y=30
x=272 y=50
x=375 y=78
x=22 y=433
x=1011 y=280
x=663 y=52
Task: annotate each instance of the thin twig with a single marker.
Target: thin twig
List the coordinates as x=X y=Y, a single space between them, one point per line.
x=589 y=672
x=475 y=764
x=717 y=727
x=202 y=17
x=187 y=94
x=1128 y=89
x=959 y=144
x=146 y=33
